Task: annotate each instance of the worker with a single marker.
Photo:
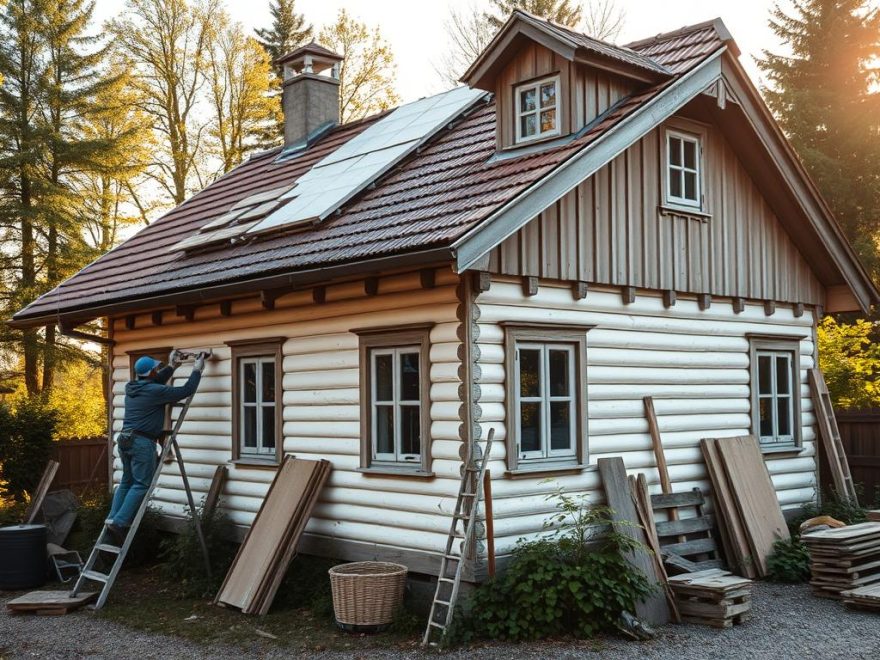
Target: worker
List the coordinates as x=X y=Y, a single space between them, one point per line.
x=142 y=427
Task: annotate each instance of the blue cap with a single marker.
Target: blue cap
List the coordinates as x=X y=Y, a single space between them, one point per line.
x=145 y=365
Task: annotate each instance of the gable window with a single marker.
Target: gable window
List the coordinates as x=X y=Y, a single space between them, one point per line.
x=546 y=397
x=775 y=386
x=537 y=109
x=683 y=185
x=257 y=401
x=395 y=405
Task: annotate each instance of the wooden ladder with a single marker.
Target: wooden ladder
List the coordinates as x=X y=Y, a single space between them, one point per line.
x=105 y=543
x=830 y=435
x=470 y=492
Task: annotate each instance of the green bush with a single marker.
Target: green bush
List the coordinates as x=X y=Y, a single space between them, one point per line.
x=790 y=561
x=26 y=435
x=575 y=582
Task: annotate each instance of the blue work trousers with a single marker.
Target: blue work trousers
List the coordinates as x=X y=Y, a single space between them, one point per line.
x=138 y=456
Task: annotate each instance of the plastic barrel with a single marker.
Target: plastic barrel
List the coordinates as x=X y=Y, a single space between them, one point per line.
x=22 y=556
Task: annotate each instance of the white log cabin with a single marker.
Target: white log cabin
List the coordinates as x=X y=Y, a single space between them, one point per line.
x=576 y=227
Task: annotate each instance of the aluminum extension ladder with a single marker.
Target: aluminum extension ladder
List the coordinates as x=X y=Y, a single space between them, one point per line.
x=104 y=543
x=470 y=492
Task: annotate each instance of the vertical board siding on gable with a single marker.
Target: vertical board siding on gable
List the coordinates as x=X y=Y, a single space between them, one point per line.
x=321 y=408
x=621 y=237
x=694 y=363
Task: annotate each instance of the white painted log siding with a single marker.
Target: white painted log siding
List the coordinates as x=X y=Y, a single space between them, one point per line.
x=321 y=407
x=694 y=363
x=610 y=230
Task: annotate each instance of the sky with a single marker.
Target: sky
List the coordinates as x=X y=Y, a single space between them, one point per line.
x=415 y=29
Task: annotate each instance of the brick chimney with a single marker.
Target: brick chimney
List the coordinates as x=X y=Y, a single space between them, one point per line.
x=310 y=92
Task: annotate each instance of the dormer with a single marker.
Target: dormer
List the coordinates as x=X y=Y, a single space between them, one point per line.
x=551 y=82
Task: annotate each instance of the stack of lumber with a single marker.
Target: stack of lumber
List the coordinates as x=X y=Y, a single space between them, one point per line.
x=53 y=603
x=712 y=597
x=749 y=516
x=844 y=559
x=867 y=598
x=270 y=544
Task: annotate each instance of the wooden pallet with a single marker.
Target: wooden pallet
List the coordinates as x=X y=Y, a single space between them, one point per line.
x=712 y=597
x=843 y=559
x=51 y=603
x=867 y=597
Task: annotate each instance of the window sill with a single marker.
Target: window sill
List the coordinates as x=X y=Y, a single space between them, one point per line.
x=782 y=452
x=388 y=471
x=690 y=211
x=257 y=463
x=545 y=471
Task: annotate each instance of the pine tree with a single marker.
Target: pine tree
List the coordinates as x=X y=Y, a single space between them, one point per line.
x=289 y=30
x=563 y=12
x=822 y=94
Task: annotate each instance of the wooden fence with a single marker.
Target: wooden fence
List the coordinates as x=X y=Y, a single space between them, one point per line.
x=83 y=463
x=860 y=433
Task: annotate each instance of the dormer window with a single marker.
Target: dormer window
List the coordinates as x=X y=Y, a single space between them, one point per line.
x=537 y=109
x=683 y=171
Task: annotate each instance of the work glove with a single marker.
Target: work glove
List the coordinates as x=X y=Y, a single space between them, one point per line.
x=175 y=359
x=199 y=364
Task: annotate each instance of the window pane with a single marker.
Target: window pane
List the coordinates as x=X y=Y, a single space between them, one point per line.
x=675 y=183
x=548 y=95
x=410 y=442
x=384 y=378
x=384 y=430
x=409 y=377
x=249 y=420
x=783 y=407
x=690 y=155
x=250 y=382
x=690 y=186
x=528 y=125
x=530 y=427
x=764 y=375
x=529 y=372
x=559 y=376
x=527 y=100
x=766 y=414
x=268 y=381
x=548 y=120
x=560 y=425
x=783 y=375
x=675 y=151
x=268 y=426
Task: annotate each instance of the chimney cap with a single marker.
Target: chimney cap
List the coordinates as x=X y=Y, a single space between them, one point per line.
x=321 y=58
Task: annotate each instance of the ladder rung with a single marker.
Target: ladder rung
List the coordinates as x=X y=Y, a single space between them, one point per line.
x=455 y=557
x=444 y=603
x=446 y=579
x=95 y=576
x=437 y=625
x=468 y=494
x=106 y=547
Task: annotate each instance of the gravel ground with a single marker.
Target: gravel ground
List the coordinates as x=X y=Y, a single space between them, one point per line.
x=787 y=622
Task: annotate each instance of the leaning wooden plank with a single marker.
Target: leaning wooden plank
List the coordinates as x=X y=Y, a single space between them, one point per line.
x=625 y=521
x=214 y=491
x=40 y=493
x=733 y=534
x=254 y=557
x=754 y=496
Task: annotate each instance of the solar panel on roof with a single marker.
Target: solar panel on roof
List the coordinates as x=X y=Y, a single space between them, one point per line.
x=339 y=176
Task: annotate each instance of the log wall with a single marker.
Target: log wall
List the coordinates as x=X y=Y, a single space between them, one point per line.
x=694 y=363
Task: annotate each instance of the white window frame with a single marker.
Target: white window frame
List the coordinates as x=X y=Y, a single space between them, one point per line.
x=546 y=452
x=258 y=404
x=773 y=396
x=680 y=170
x=398 y=457
x=519 y=113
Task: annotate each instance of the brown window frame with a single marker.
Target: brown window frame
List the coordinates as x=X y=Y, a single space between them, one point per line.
x=417 y=334
x=270 y=347
x=538 y=333
x=777 y=344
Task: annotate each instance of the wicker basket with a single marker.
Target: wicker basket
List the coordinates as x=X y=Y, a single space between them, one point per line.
x=367 y=594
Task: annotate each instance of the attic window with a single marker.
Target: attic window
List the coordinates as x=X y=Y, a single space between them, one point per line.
x=683 y=171
x=537 y=109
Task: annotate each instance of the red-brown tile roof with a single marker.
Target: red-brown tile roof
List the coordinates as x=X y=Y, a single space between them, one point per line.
x=427 y=201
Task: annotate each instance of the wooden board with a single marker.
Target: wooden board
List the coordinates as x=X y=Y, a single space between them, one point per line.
x=214 y=492
x=40 y=493
x=754 y=496
x=49 y=602
x=654 y=608
x=736 y=548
